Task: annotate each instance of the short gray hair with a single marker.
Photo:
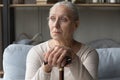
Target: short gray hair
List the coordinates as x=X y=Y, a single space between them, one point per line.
x=71 y=6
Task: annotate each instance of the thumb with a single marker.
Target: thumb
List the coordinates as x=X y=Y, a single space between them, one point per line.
x=66 y=61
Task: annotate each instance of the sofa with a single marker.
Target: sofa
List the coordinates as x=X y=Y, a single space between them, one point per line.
x=14 y=62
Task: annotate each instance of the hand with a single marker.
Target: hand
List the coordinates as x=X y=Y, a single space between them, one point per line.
x=58 y=56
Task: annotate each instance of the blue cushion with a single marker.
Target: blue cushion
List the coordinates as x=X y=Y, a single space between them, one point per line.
x=109 y=63
x=14 y=61
x=111 y=79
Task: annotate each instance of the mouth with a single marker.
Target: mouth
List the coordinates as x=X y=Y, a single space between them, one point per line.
x=56 y=32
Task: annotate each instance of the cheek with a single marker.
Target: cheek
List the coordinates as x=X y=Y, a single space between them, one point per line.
x=72 y=28
x=69 y=29
x=50 y=27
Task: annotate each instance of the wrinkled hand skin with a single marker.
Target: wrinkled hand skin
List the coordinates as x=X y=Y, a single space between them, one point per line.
x=59 y=56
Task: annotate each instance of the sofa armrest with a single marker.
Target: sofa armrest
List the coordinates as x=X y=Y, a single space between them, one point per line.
x=109 y=63
x=14 y=61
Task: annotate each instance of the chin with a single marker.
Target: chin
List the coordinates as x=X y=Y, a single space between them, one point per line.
x=56 y=37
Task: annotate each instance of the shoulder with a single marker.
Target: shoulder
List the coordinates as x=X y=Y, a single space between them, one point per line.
x=87 y=51
x=41 y=47
x=36 y=53
x=38 y=50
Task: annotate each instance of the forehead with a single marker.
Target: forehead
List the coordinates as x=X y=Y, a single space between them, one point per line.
x=60 y=10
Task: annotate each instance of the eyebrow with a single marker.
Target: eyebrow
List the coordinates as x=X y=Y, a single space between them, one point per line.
x=65 y=15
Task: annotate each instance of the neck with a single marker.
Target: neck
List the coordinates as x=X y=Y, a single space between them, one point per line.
x=67 y=43
x=74 y=45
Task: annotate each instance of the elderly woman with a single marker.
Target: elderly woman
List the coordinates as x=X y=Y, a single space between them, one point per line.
x=44 y=60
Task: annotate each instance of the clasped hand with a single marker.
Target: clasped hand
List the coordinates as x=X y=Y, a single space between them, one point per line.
x=59 y=56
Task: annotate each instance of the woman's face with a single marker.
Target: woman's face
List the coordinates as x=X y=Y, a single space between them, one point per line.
x=61 y=23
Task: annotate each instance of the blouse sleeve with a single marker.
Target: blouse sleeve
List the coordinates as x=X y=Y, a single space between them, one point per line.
x=34 y=66
x=86 y=70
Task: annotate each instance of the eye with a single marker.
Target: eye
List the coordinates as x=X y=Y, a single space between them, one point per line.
x=63 y=19
x=52 y=18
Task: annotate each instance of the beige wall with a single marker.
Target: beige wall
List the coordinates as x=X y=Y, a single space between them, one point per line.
x=95 y=23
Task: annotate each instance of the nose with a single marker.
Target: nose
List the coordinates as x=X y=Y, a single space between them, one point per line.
x=56 y=24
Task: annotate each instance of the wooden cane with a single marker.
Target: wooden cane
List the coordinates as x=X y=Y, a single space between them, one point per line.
x=61 y=73
x=61 y=69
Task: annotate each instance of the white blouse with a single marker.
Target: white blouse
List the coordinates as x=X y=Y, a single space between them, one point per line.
x=83 y=67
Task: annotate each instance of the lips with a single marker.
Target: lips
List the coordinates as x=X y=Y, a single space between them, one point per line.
x=57 y=32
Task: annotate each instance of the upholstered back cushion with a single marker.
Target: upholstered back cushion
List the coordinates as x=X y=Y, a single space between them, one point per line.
x=109 y=63
x=14 y=61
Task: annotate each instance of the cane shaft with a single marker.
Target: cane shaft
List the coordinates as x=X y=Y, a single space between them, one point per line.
x=61 y=73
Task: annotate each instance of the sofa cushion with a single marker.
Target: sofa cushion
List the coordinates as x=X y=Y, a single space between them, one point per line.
x=14 y=61
x=111 y=79
x=109 y=63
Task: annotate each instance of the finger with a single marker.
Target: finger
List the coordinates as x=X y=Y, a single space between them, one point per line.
x=63 y=63
x=66 y=61
x=62 y=56
x=50 y=57
x=46 y=55
x=56 y=56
